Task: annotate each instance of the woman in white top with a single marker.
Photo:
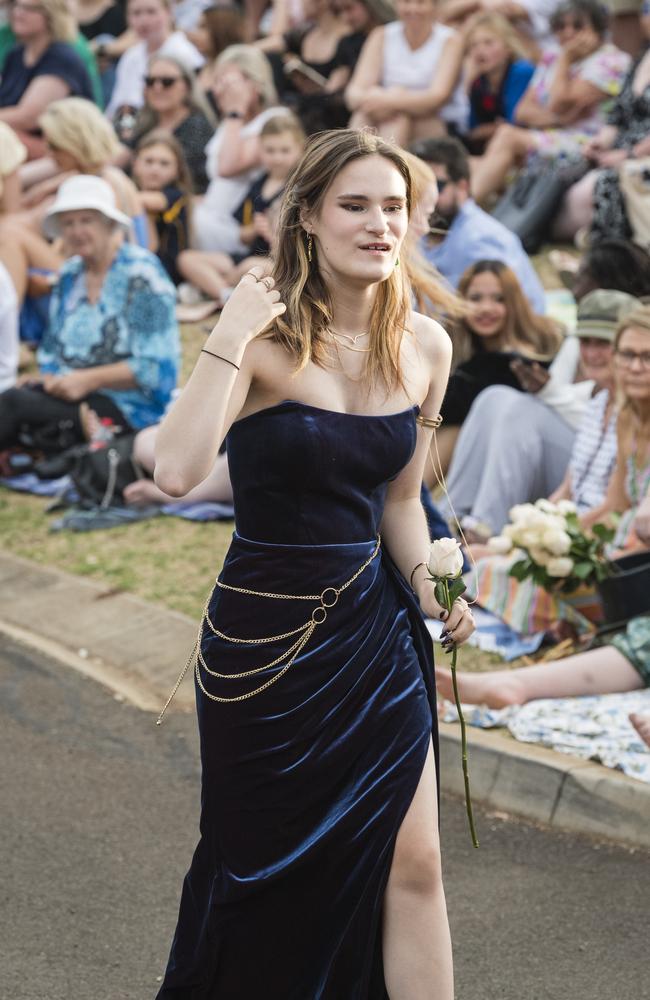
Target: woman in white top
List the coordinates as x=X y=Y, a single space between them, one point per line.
x=244 y=91
x=406 y=75
x=152 y=22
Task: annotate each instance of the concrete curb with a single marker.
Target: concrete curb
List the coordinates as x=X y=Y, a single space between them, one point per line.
x=137 y=650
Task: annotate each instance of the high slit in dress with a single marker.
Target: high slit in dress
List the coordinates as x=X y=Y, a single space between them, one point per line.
x=306 y=783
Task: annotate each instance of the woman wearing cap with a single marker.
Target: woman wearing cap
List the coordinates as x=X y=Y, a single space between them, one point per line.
x=112 y=340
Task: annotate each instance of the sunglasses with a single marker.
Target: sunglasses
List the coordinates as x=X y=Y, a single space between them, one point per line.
x=164 y=81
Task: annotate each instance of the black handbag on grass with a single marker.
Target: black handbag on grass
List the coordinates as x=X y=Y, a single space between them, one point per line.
x=531 y=202
x=100 y=473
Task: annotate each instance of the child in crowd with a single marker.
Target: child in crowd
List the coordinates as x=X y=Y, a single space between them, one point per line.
x=162 y=175
x=282 y=142
x=497 y=75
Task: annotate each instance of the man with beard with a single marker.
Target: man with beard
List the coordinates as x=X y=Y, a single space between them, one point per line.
x=462 y=232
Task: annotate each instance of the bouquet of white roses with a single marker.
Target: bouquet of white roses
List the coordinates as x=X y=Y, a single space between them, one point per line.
x=556 y=553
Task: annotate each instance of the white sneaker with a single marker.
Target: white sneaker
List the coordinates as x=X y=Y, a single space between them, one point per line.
x=188 y=295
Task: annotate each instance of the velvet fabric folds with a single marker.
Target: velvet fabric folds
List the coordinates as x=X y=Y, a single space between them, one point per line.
x=305 y=785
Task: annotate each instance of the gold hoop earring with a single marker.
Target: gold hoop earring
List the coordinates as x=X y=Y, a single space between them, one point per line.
x=310 y=242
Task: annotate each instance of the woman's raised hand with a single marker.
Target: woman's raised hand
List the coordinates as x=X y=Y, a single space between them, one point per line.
x=252 y=307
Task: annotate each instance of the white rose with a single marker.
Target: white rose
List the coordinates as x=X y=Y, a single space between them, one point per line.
x=540 y=555
x=445 y=559
x=530 y=538
x=567 y=507
x=546 y=506
x=559 y=566
x=520 y=512
x=556 y=541
x=500 y=544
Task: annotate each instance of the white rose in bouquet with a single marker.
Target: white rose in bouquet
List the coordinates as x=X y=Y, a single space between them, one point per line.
x=546 y=506
x=557 y=542
x=445 y=559
x=520 y=512
x=500 y=544
x=559 y=566
x=540 y=555
x=567 y=507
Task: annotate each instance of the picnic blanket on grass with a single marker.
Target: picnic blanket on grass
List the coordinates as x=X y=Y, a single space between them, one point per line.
x=593 y=728
x=28 y=482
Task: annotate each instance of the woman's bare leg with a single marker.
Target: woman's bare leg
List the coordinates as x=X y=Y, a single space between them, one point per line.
x=577 y=208
x=416 y=940
x=398 y=130
x=642 y=725
x=427 y=128
x=597 y=671
x=210 y=272
x=215 y=488
x=507 y=147
x=21 y=249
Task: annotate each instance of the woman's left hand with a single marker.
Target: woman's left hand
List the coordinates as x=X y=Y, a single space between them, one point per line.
x=71 y=387
x=532 y=377
x=581 y=45
x=612 y=157
x=234 y=93
x=459 y=625
x=642 y=522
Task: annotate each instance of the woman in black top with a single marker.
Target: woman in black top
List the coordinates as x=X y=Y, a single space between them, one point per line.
x=174 y=102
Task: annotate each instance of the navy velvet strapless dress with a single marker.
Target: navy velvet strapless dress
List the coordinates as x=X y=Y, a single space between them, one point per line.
x=305 y=784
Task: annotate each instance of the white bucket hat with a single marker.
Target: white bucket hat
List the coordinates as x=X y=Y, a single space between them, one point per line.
x=84 y=192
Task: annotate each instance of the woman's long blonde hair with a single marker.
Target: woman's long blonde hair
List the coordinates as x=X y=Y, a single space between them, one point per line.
x=61 y=22
x=500 y=27
x=254 y=65
x=303 y=328
x=538 y=335
x=79 y=128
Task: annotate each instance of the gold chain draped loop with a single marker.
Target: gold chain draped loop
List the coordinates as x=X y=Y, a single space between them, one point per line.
x=327 y=599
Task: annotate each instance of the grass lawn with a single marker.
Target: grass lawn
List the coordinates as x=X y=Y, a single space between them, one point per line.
x=165 y=560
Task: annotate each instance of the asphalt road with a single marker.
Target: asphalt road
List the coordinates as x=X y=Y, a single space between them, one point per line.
x=98 y=816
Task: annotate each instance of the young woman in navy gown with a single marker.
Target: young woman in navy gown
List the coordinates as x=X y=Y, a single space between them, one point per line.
x=317 y=875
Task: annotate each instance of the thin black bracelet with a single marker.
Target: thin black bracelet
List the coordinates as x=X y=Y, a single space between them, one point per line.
x=413 y=573
x=204 y=350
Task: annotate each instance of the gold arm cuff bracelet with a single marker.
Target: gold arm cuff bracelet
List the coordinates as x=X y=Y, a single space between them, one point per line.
x=423 y=421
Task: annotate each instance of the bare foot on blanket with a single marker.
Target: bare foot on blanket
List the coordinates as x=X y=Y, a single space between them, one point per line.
x=642 y=725
x=496 y=689
x=143 y=492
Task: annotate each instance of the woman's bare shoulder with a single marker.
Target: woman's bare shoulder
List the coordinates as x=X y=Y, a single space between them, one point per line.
x=431 y=337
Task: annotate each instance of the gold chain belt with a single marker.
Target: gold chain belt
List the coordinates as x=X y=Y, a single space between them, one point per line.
x=327 y=599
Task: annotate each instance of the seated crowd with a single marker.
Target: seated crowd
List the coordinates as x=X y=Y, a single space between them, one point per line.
x=144 y=149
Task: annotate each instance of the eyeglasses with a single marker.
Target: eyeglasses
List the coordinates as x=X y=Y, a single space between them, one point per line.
x=164 y=81
x=627 y=358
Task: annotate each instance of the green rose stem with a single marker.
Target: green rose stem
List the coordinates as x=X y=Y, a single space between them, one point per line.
x=463 y=732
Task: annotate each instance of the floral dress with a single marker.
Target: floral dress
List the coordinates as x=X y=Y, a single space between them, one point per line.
x=631 y=115
x=605 y=69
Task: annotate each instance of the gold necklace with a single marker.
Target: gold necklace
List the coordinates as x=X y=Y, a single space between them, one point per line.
x=338 y=337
